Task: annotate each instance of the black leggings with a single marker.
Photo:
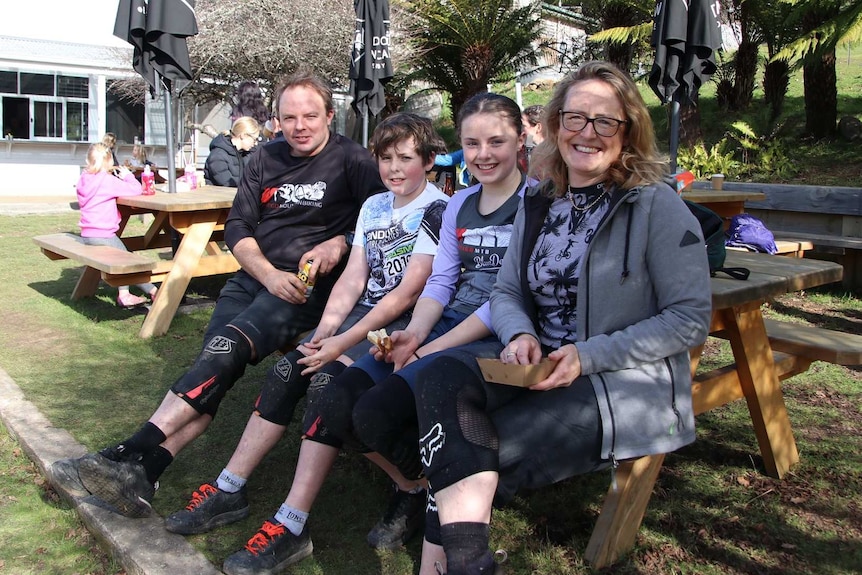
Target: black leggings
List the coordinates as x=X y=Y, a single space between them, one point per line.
x=532 y=438
x=384 y=420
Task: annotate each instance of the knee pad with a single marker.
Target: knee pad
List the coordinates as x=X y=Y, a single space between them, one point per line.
x=220 y=363
x=316 y=423
x=282 y=390
x=458 y=438
x=432 y=521
x=384 y=419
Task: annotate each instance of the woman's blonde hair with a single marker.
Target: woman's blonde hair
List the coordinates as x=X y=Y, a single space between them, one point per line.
x=639 y=162
x=99 y=158
x=245 y=125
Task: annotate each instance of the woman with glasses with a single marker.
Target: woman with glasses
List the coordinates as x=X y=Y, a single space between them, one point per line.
x=606 y=277
x=230 y=151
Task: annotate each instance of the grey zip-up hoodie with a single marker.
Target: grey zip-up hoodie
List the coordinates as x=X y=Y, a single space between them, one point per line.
x=644 y=300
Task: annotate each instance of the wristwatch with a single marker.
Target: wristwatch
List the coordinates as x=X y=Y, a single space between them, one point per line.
x=348 y=237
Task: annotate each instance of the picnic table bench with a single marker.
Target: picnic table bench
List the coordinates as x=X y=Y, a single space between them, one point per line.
x=765 y=352
x=198 y=215
x=101 y=262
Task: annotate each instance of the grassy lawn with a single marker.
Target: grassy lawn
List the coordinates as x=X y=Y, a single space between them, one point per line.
x=713 y=510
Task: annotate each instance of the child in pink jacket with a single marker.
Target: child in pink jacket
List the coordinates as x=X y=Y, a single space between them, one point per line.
x=98 y=190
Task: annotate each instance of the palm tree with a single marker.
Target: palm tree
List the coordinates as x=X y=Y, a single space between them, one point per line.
x=825 y=24
x=460 y=46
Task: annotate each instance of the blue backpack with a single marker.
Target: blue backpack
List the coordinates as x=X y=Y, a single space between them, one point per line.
x=748 y=232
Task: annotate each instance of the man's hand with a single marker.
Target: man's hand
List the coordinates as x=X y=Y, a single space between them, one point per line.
x=326 y=256
x=285 y=285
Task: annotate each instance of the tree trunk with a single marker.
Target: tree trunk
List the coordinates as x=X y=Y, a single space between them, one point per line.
x=689 y=123
x=745 y=67
x=821 y=96
x=776 y=78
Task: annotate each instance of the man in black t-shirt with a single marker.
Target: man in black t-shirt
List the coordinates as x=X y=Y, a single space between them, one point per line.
x=298 y=197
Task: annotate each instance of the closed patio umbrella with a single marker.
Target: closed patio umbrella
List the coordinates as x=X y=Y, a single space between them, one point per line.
x=157 y=29
x=370 y=62
x=685 y=37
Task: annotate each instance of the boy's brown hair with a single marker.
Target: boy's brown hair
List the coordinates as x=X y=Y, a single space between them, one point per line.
x=403 y=126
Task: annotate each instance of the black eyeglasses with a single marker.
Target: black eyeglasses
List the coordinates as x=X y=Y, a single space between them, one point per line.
x=574 y=122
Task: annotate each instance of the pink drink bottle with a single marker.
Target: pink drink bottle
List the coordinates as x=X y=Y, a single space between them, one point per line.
x=148 y=181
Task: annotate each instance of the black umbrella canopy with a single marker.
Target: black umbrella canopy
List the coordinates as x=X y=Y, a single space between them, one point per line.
x=370 y=64
x=685 y=37
x=157 y=29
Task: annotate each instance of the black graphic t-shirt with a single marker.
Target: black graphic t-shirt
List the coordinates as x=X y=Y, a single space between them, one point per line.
x=290 y=204
x=555 y=264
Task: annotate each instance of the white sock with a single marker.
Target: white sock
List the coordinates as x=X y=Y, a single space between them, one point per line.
x=292 y=518
x=230 y=482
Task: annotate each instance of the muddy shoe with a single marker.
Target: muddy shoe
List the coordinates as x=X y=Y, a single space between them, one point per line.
x=270 y=551
x=210 y=507
x=122 y=484
x=403 y=518
x=63 y=475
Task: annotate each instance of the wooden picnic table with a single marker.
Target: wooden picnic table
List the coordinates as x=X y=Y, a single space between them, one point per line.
x=754 y=376
x=199 y=215
x=725 y=203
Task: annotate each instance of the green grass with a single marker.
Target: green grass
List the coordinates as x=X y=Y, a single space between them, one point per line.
x=713 y=509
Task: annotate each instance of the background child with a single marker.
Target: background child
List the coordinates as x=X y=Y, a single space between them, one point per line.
x=98 y=190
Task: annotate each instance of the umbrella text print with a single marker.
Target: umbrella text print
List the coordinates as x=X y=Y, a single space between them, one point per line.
x=379 y=46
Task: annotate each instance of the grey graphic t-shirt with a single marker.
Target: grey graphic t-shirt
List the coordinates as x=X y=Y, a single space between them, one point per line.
x=482 y=243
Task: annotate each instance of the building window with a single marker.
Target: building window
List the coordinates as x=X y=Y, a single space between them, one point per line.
x=45 y=106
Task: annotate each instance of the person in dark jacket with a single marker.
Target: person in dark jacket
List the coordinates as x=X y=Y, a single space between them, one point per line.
x=230 y=151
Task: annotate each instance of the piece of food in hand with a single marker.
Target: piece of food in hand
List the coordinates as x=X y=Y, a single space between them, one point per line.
x=381 y=339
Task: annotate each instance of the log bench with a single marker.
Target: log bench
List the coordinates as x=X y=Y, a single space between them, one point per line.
x=795 y=347
x=116 y=267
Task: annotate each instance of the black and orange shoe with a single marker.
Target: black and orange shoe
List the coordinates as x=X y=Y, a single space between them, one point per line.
x=209 y=507
x=269 y=551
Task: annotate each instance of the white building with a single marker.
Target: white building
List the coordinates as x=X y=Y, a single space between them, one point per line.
x=57 y=60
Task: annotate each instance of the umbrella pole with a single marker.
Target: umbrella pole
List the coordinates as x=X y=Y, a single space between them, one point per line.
x=169 y=125
x=674 y=131
x=365 y=130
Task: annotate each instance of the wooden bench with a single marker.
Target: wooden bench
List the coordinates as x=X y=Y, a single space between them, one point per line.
x=794 y=248
x=112 y=265
x=795 y=347
x=829 y=217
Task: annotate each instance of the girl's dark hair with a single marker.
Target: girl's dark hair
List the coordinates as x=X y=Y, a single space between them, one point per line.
x=404 y=126
x=489 y=103
x=249 y=102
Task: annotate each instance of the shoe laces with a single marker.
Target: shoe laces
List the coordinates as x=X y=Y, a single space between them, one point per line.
x=264 y=536
x=200 y=495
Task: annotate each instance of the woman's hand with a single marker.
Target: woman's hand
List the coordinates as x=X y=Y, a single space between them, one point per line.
x=522 y=350
x=567 y=370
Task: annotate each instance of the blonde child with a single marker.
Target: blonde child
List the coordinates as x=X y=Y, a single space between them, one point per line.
x=100 y=185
